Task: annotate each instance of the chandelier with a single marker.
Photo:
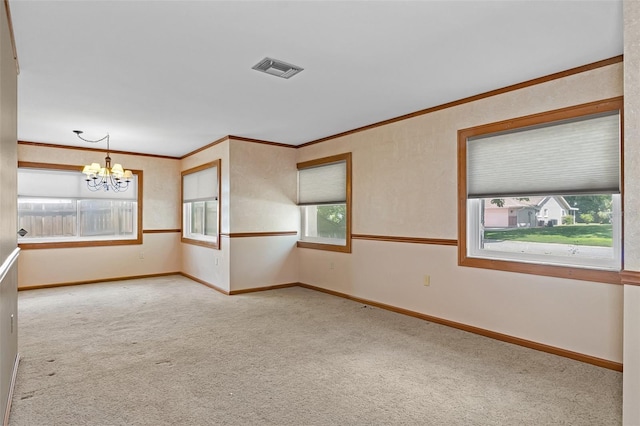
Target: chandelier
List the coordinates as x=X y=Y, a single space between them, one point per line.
x=105 y=178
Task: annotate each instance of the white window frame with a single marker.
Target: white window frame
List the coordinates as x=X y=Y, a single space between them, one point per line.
x=476 y=249
x=308 y=215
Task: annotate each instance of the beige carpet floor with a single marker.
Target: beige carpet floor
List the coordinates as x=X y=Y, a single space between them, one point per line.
x=168 y=351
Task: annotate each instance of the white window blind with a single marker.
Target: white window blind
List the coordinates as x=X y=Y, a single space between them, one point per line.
x=200 y=185
x=579 y=156
x=65 y=184
x=326 y=184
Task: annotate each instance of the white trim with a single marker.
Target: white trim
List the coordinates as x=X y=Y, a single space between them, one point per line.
x=186 y=222
x=12 y=386
x=8 y=263
x=476 y=247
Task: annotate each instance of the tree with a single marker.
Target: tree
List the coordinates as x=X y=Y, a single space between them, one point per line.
x=604 y=217
x=335 y=213
x=500 y=201
x=586 y=218
x=597 y=206
x=332 y=221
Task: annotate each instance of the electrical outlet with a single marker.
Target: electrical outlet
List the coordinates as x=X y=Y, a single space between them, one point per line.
x=331 y=265
x=217 y=261
x=427 y=280
x=141 y=255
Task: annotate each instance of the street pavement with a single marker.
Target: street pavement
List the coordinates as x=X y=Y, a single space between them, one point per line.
x=568 y=250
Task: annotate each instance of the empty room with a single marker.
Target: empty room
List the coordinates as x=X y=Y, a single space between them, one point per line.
x=314 y=213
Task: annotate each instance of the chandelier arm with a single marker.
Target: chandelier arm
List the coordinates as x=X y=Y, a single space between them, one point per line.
x=93 y=184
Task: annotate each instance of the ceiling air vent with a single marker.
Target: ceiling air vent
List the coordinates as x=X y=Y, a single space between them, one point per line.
x=277 y=68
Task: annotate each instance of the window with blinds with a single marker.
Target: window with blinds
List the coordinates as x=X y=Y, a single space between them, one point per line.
x=324 y=197
x=201 y=205
x=545 y=190
x=56 y=209
x=576 y=156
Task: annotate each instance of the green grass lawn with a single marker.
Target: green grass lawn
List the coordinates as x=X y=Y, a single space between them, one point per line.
x=580 y=235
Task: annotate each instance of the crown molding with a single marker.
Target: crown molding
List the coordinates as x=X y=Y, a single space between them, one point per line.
x=518 y=86
x=82 y=148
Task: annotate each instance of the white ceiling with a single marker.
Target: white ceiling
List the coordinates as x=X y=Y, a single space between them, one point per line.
x=168 y=77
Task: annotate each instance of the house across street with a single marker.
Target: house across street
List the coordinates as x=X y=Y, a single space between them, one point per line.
x=527 y=212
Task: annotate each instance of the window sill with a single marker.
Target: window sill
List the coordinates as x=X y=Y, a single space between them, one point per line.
x=71 y=244
x=327 y=247
x=567 y=272
x=201 y=243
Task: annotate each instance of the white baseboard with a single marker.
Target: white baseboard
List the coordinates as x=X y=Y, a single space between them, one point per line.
x=11 y=387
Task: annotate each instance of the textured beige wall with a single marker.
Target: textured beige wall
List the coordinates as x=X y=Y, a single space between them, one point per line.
x=161 y=210
x=405 y=173
x=159 y=253
x=8 y=132
x=631 y=387
x=258 y=195
x=207 y=264
x=631 y=374
x=263 y=188
x=216 y=152
x=263 y=261
x=161 y=189
x=263 y=199
x=405 y=184
x=632 y=135
x=8 y=136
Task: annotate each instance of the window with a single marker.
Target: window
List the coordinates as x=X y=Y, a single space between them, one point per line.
x=324 y=197
x=201 y=205
x=56 y=209
x=539 y=168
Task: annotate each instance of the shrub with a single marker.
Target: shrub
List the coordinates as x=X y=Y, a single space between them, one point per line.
x=586 y=218
x=567 y=220
x=604 y=217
